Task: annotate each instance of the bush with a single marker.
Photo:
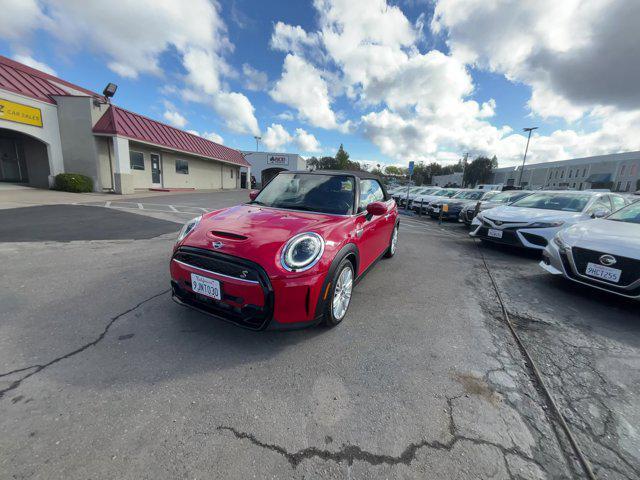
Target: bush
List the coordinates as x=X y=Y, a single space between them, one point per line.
x=73 y=182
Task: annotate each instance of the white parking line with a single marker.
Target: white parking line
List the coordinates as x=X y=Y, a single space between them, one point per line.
x=140 y=206
x=173 y=209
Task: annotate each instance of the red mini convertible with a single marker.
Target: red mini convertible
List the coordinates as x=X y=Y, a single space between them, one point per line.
x=288 y=258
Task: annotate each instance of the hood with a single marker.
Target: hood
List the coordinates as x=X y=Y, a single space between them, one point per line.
x=617 y=238
x=508 y=213
x=254 y=232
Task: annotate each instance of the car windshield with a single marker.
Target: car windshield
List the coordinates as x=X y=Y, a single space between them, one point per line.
x=309 y=192
x=469 y=195
x=508 y=197
x=565 y=202
x=629 y=214
x=490 y=194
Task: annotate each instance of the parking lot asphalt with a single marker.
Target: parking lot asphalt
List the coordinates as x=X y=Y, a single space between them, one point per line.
x=102 y=375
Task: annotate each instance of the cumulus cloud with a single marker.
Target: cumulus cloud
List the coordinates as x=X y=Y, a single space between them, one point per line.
x=214 y=137
x=276 y=137
x=33 y=63
x=306 y=142
x=174 y=118
x=254 y=79
x=303 y=88
x=292 y=39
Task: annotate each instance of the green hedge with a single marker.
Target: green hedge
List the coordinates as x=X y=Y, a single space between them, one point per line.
x=73 y=182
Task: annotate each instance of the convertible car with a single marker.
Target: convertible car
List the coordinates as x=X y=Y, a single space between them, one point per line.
x=291 y=256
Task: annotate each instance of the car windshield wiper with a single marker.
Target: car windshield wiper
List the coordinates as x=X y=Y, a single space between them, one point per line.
x=295 y=207
x=257 y=202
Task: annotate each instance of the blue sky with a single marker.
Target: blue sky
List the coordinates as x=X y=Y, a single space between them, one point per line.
x=399 y=81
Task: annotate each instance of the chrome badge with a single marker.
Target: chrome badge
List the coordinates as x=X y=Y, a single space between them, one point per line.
x=608 y=260
x=217 y=245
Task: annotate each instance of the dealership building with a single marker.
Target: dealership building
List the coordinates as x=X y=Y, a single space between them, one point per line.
x=266 y=165
x=619 y=172
x=50 y=126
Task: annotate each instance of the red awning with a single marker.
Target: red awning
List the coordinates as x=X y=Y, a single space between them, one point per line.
x=121 y=122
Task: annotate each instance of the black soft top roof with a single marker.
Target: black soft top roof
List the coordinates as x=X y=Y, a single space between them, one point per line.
x=355 y=173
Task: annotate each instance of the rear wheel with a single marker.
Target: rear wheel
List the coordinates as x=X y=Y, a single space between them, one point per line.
x=393 y=243
x=341 y=290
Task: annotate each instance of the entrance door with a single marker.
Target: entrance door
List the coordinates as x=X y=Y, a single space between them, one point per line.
x=10 y=168
x=156 y=173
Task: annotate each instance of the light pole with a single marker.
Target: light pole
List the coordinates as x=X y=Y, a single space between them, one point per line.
x=526 y=149
x=257 y=141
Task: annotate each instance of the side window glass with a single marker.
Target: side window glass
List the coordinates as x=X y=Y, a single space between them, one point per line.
x=370 y=191
x=618 y=202
x=602 y=203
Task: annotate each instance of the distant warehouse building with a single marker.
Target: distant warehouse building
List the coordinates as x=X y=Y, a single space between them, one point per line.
x=619 y=172
x=266 y=165
x=450 y=180
x=50 y=126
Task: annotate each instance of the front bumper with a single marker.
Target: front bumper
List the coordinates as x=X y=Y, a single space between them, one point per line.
x=532 y=238
x=563 y=263
x=256 y=302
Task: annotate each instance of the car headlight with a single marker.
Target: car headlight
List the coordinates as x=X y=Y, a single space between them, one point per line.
x=560 y=244
x=188 y=227
x=559 y=223
x=302 y=252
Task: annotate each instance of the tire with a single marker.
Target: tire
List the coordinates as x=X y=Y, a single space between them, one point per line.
x=334 y=312
x=391 y=251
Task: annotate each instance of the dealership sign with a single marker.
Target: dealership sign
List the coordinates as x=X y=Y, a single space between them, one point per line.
x=19 y=113
x=278 y=161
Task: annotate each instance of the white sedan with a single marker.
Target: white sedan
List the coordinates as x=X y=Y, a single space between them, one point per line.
x=532 y=221
x=603 y=254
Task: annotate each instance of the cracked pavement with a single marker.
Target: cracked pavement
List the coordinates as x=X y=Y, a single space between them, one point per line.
x=104 y=376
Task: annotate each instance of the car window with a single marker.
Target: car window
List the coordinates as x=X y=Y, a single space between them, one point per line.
x=602 y=203
x=565 y=202
x=370 y=191
x=618 y=202
x=630 y=214
x=310 y=192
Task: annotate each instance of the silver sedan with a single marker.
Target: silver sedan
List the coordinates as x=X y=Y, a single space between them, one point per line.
x=602 y=253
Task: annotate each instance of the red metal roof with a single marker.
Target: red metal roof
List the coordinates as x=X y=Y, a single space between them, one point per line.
x=19 y=78
x=118 y=121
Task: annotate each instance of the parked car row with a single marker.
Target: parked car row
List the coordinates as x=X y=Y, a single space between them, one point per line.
x=589 y=237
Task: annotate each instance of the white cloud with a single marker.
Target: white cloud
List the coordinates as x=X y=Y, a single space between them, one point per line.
x=303 y=88
x=174 y=118
x=33 y=63
x=237 y=112
x=292 y=39
x=214 y=137
x=306 y=141
x=286 y=115
x=254 y=79
x=276 y=137
x=19 y=18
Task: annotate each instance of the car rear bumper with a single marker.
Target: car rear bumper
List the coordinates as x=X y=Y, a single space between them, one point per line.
x=256 y=302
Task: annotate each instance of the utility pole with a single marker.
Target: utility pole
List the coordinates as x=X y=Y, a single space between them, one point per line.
x=526 y=149
x=464 y=167
x=257 y=141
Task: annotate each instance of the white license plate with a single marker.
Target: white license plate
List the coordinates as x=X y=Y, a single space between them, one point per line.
x=495 y=233
x=436 y=210
x=206 y=286
x=605 y=273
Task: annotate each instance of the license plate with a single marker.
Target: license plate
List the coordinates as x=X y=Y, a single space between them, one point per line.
x=206 y=286
x=604 y=273
x=436 y=210
x=495 y=233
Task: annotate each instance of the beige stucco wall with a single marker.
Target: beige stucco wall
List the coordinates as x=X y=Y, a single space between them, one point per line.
x=203 y=173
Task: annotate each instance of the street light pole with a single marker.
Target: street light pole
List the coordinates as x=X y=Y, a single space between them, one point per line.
x=257 y=140
x=528 y=129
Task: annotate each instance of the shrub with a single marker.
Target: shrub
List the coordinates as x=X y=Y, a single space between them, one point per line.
x=73 y=182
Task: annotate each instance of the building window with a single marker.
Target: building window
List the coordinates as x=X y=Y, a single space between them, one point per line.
x=231 y=171
x=570 y=173
x=182 y=166
x=562 y=174
x=628 y=187
x=622 y=169
x=584 y=172
x=634 y=170
x=557 y=173
x=550 y=175
x=136 y=160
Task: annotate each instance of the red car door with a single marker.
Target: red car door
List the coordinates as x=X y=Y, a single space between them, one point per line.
x=373 y=234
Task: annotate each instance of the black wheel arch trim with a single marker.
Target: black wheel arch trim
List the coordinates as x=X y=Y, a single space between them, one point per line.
x=348 y=249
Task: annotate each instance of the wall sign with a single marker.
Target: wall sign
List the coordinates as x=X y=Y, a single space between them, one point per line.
x=19 y=113
x=278 y=160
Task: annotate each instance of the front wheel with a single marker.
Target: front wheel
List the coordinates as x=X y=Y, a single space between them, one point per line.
x=393 y=243
x=342 y=287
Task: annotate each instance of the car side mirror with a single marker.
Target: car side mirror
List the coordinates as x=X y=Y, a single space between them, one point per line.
x=600 y=213
x=376 y=208
x=253 y=194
